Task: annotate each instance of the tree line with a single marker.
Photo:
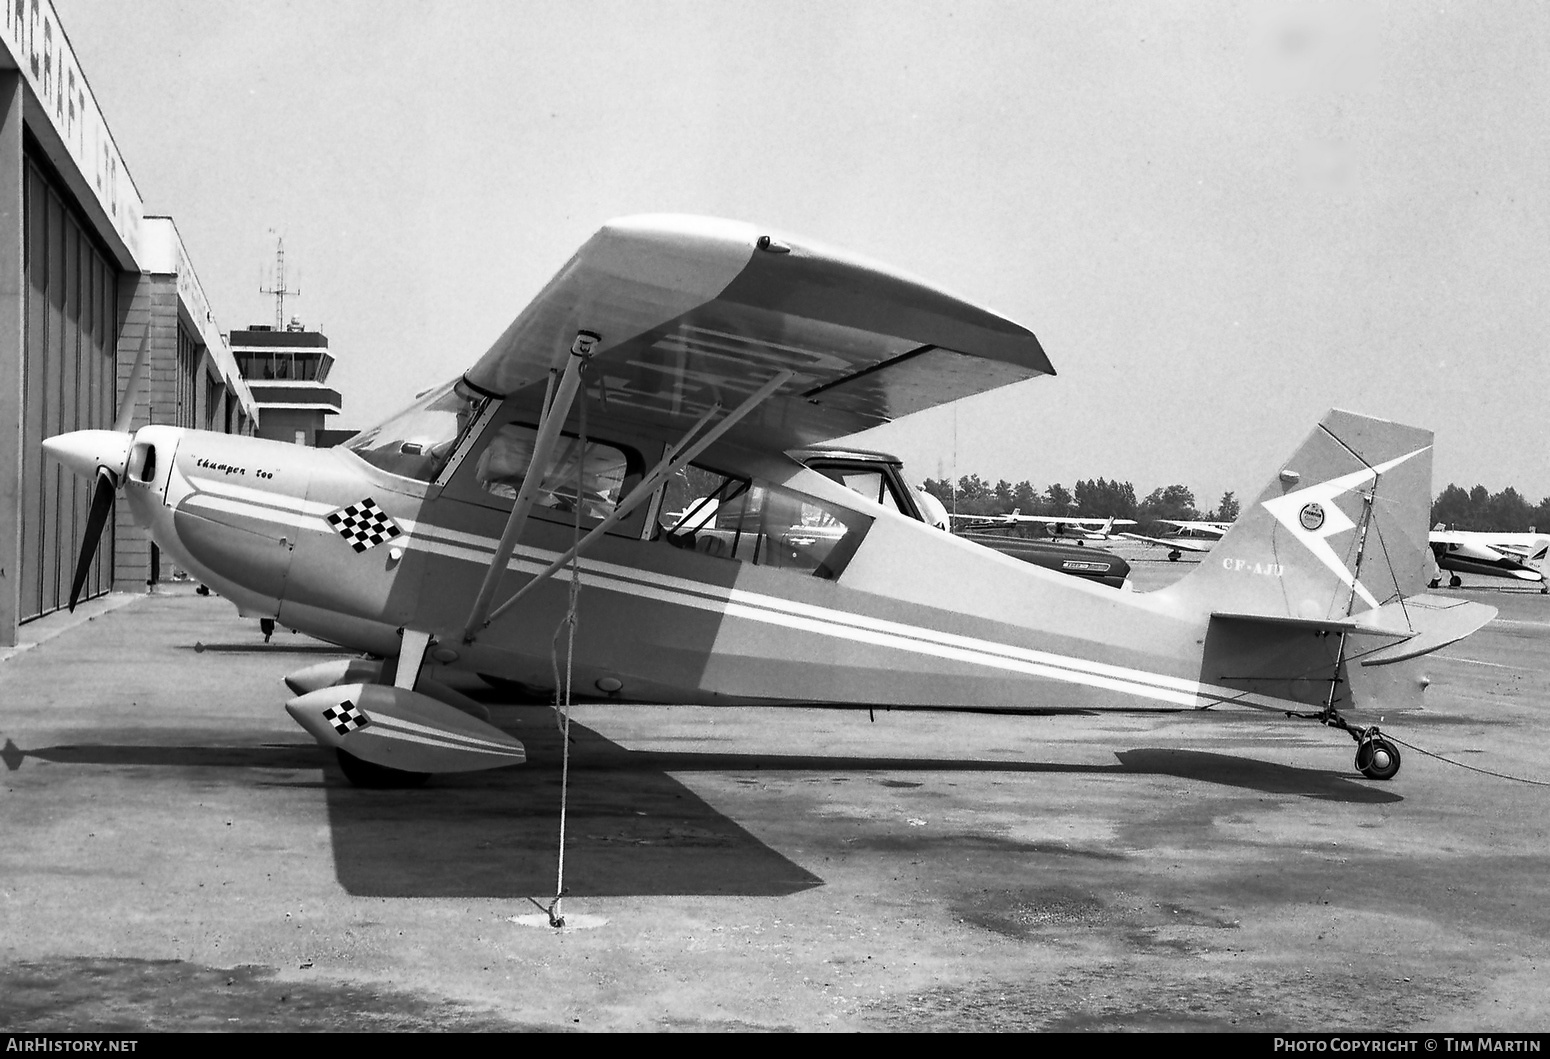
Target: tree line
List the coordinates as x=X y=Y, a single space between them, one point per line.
x=1092 y=498
x=1455 y=507
x=1478 y=509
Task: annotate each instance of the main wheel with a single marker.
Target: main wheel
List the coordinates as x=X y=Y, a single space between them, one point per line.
x=1377 y=759
x=363 y=773
x=1455 y=581
x=1435 y=582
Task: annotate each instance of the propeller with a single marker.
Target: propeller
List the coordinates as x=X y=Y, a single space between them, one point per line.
x=102 y=455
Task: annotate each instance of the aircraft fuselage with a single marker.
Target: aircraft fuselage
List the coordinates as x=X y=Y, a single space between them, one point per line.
x=916 y=617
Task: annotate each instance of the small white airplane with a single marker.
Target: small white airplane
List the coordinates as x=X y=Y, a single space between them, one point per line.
x=1189 y=536
x=565 y=482
x=1060 y=527
x=1509 y=555
x=1203 y=529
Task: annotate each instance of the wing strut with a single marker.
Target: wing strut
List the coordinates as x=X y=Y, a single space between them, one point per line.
x=675 y=459
x=543 y=446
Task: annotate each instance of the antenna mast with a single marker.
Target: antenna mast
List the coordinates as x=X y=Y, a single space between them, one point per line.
x=278 y=290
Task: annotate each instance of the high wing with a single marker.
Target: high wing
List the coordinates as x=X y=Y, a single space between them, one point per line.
x=1212 y=529
x=1530 y=547
x=1192 y=535
x=694 y=312
x=984 y=520
x=1085 y=523
x=1178 y=544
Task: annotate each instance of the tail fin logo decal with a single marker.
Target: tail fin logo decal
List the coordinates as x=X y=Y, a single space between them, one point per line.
x=1312 y=517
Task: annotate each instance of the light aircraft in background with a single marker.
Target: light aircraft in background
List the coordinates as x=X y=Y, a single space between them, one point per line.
x=1058 y=527
x=1201 y=528
x=1076 y=560
x=1509 y=555
x=1188 y=536
x=562 y=485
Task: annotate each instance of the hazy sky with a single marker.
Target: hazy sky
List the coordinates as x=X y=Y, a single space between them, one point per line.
x=1220 y=219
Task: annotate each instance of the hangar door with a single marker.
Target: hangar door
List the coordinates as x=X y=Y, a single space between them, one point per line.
x=70 y=382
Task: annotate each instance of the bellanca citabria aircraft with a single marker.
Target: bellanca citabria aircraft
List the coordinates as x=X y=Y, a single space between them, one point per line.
x=659 y=420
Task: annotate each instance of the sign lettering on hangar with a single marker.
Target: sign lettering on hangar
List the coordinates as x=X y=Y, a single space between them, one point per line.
x=33 y=34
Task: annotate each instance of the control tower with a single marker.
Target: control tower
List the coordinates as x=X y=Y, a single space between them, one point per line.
x=286 y=372
x=285 y=367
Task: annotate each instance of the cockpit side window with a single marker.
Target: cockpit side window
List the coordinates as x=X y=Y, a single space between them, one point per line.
x=602 y=469
x=417 y=442
x=872 y=482
x=750 y=521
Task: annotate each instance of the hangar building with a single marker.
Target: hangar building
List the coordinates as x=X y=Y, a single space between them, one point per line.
x=85 y=277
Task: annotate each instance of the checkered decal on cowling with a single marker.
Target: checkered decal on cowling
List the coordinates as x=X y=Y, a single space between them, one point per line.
x=346 y=717
x=363 y=525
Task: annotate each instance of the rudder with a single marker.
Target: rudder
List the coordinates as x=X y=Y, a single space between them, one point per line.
x=1340 y=529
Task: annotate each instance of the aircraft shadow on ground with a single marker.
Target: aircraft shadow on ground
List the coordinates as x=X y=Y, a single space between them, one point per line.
x=288 y=756
x=632 y=828
x=266 y=649
x=1246 y=773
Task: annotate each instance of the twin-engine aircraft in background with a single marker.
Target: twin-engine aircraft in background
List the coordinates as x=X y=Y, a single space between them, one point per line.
x=658 y=423
x=1509 y=555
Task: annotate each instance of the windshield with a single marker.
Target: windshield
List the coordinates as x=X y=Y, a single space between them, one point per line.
x=417 y=442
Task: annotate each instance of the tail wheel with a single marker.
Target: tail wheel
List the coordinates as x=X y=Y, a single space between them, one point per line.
x=1377 y=759
x=362 y=773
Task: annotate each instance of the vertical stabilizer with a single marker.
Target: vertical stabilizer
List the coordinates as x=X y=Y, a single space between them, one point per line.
x=1340 y=528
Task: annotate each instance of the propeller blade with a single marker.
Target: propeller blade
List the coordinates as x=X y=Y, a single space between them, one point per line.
x=126 y=411
x=101 y=507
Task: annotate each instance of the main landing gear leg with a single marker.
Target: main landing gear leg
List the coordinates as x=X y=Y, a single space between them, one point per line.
x=362 y=773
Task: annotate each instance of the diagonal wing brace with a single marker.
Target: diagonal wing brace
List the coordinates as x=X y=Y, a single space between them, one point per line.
x=543 y=447
x=671 y=463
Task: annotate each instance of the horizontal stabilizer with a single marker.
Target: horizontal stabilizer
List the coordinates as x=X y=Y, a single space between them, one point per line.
x=1416 y=626
x=1437 y=620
